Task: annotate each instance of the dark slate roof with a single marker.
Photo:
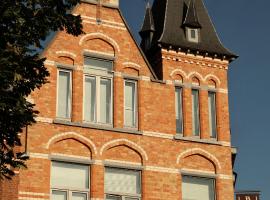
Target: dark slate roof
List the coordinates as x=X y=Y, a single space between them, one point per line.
x=169 y=18
x=191 y=19
x=148 y=24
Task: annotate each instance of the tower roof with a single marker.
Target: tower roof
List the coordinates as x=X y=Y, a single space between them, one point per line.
x=171 y=17
x=148 y=23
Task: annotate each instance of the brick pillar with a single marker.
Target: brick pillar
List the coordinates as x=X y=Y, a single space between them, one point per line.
x=118 y=103
x=204 y=118
x=187 y=112
x=77 y=94
x=97 y=181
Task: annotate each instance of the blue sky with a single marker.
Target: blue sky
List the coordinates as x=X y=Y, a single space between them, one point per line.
x=243 y=26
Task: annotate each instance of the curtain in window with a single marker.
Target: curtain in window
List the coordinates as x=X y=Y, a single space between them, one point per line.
x=178 y=110
x=122 y=181
x=130 y=104
x=90 y=99
x=64 y=95
x=212 y=114
x=194 y=188
x=195 y=113
x=68 y=175
x=105 y=101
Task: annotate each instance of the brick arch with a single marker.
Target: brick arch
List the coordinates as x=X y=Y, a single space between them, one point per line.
x=127 y=143
x=199 y=151
x=66 y=54
x=100 y=36
x=132 y=65
x=180 y=72
x=195 y=74
x=213 y=77
x=72 y=135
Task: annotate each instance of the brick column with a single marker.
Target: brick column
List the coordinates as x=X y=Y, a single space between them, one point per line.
x=77 y=95
x=118 y=102
x=187 y=112
x=204 y=118
x=97 y=181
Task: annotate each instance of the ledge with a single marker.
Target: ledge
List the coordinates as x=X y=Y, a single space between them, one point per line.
x=96 y=126
x=198 y=140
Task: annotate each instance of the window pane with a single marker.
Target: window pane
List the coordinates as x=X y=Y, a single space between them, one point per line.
x=113 y=197
x=105 y=101
x=195 y=113
x=59 y=195
x=212 y=114
x=90 y=99
x=64 y=95
x=194 y=188
x=131 y=198
x=122 y=181
x=130 y=104
x=98 y=63
x=70 y=175
x=79 y=196
x=178 y=110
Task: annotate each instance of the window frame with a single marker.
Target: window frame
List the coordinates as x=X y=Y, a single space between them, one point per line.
x=123 y=196
x=99 y=74
x=182 y=110
x=210 y=113
x=199 y=113
x=197 y=34
x=70 y=95
x=70 y=191
x=136 y=105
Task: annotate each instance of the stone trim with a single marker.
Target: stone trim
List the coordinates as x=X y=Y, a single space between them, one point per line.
x=135 y=65
x=66 y=53
x=39 y=155
x=70 y=158
x=99 y=54
x=158 y=135
x=194 y=172
x=32 y=198
x=122 y=164
x=33 y=193
x=199 y=140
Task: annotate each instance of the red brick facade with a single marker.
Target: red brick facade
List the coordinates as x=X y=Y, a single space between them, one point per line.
x=154 y=147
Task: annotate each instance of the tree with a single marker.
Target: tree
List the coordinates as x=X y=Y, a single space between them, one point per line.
x=23 y=26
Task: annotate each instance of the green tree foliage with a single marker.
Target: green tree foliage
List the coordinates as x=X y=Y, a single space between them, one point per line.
x=23 y=26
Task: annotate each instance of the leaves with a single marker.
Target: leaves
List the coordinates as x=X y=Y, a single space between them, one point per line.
x=24 y=24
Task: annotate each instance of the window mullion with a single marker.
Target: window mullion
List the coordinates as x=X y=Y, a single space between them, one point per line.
x=97 y=99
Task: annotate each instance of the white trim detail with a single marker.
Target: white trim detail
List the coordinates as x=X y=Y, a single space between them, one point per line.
x=34 y=193
x=162 y=169
x=39 y=155
x=198 y=75
x=215 y=78
x=224 y=176
x=32 y=198
x=120 y=162
x=198 y=150
x=132 y=64
x=44 y=120
x=73 y=55
x=102 y=36
x=158 y=135
x=67 y=134
x=49 y=62
x=196 y=171
x=70 y=156
x=98 y=52
x=182 y=73
x=127 y=141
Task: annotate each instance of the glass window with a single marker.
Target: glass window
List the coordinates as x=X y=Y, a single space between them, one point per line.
x=179 y=110
x=196 y=188
x=212 y=114
x=64 y=94
x=97 y=91
x=69 y=181
x=122 y=184
x=130 y=103
x=192 y=35
x=195 y=113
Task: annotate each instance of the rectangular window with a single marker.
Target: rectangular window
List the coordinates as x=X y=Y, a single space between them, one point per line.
x=64 y=94
x=130 y=103
x=97 y=91
x=122 y=184
x=196 y=188
x=192 y=35
x=212 y=114
x=179 y=110
x=69 y=181
x=195 y=113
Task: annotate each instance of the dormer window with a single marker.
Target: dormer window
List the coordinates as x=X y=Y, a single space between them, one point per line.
x=192 y=35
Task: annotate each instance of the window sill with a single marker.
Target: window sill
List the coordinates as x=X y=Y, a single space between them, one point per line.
x=197 y=139
x=96 y=126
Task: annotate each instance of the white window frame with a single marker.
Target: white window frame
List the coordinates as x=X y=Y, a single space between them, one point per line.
x=135 y=102
x=203 y=177
x=123 y=196
x=98 y=74
x=188 y=34
x=182 y=106
x=70 y=96
x=69 y=191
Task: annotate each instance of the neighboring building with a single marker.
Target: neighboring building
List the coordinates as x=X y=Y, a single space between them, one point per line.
x=248 y=195
x=114 y=126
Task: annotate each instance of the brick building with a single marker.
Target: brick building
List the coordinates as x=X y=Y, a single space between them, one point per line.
x=122 y=122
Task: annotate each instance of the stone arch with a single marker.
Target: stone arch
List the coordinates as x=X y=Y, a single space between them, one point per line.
x=199 y=151
x=66 y=54
x=132 y=65
x=180 y=72
x=213 y=77
x=100 y=36
x=99 y=46
x=72 y=135
x=127 y=143
x=195 y=74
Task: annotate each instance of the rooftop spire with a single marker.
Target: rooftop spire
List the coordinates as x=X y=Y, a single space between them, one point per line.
x=148 y=23
x=191 y=19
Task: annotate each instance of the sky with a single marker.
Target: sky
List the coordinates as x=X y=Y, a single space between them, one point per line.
x=243 y=26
